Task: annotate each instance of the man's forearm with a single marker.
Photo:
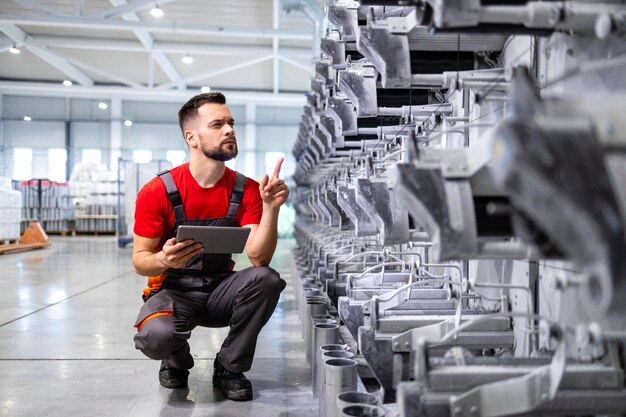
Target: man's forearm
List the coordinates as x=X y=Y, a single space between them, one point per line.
x=149 y=264
x=263 y=245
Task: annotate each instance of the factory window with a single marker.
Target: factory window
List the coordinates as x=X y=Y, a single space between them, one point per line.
x=57 y=159
x=270 y=161
x=175 y=157
x=93 y=156
x=22 y=164
x=142 y=156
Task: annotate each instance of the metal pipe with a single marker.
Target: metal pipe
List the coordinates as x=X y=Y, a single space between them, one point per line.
x=350 y=398
x=313 y=308
x=339 y=376
x=317 y=364
x=362 y=410
x=324 y=356
x=312 y=336
x=506 y=250
x=307 y=294
x=384 y=129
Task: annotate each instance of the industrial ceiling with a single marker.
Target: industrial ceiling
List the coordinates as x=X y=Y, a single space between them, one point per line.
x=259 y=50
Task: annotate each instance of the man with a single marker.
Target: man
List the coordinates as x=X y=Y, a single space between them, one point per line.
x=187 y=288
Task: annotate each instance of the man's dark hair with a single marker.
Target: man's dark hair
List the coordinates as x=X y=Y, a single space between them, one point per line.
x=189 y=110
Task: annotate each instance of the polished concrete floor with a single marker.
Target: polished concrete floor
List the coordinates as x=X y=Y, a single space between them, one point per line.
x=66 y=345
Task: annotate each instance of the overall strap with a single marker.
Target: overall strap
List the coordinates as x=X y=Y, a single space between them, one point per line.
x=237 y=195
x=172 y=194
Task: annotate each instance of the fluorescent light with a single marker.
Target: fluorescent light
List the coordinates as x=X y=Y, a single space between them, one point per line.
x=102 y=105
x=14 y=50
x=187 y=59
x=67 y=83
x=205 y=89
x=27 y=118
x=156 y=11
x=128 y=123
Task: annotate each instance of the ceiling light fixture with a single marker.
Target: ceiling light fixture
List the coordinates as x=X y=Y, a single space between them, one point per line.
x=27 y=118
x=187 y=59
x=128 y=123
x=102 y=105
x=156 y=11
x=205 y=89
x=14 y=49
x=67 y=83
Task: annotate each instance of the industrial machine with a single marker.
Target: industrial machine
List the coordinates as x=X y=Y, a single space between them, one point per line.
x=461 y=202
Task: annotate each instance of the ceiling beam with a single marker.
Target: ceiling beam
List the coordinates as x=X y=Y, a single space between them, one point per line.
x=71 y=42
x=308 y=68
x=36 y=5
x=147 y=41
x=34 y=89
x=72 y=22
x=132 y=7
x=105 y=74
x=5 y=45
x=315 y=14
x=56 y=60
x=214 y=73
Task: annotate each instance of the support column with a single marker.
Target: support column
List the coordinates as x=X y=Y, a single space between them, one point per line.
x=116 y=133
x=275 y=45
x=70 y=157
x=3 y=150
x=249 y=169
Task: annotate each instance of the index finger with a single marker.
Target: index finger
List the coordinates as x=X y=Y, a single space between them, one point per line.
x=279 y=164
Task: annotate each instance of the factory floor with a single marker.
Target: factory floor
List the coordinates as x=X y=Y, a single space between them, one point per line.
x=66 y=342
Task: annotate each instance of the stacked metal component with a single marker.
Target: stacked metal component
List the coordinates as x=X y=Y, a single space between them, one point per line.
x=461 y=200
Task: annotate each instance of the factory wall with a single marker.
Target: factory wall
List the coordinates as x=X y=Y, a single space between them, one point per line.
x=78 y=124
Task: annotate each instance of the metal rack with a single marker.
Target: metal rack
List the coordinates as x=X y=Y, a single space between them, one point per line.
x=131 y=177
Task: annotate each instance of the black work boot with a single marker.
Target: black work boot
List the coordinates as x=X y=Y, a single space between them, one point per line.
x=172 y=377
x=234 y=386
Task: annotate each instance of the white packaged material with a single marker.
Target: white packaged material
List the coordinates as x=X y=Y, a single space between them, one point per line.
x=5 y=182
x=10 y=212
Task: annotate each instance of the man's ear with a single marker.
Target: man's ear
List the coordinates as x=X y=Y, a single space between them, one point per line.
x=191 y=138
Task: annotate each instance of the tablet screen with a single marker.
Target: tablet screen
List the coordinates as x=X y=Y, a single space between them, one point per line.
x=215 y=239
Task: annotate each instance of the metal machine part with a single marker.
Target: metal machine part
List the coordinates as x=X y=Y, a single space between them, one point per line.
x=461 y=205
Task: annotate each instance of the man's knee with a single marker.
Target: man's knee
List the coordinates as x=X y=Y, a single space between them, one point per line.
x=269 y=279
x=155 y=339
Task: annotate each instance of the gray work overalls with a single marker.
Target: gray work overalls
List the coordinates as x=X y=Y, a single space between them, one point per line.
x=207 y=293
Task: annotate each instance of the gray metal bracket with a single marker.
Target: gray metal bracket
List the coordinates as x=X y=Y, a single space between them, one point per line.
x=358 y=83
x=380 y=357
x=346 y=199
x=345 y=113
x=375 y=198
x=444 y=208
x=389 y=53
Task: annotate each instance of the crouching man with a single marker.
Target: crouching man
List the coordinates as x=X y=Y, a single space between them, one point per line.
x=187 y=288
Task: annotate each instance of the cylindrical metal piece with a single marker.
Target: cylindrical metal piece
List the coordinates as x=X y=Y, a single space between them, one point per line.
x=323 y=334
x=314 y=344
x=325 y=355
x=318 y=365
x=313 y=308
x=302 y=283
x=362 y=410
x=339 y=376
x=303 y=310
x=347 y=399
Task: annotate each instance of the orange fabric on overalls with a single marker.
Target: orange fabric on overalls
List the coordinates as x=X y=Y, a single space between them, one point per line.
x=154 y=283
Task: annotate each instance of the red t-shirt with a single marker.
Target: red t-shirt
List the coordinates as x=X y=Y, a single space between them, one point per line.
x=154 y=215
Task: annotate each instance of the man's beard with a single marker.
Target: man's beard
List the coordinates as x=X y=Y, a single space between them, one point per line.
x=219 y=154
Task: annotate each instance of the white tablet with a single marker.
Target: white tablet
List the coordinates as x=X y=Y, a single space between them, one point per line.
x=215 y=239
